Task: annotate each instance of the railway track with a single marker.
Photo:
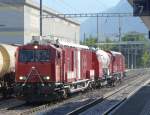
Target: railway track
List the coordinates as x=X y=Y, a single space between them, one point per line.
x=120 y=96
x=7 y=105
x=24 y=109
x=116 y=106
x=51 y=107
x=95 y=102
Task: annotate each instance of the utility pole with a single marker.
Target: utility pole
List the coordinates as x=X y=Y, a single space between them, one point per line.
x=41 y=18
x=135 y=57
x=128 y=58
x=97 y=29
x=84 y=37
x=119 y=33
x=132 y=53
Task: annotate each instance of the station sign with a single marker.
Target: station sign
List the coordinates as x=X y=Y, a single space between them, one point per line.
x=141 y=7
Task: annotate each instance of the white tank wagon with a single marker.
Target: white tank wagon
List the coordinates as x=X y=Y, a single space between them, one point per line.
x=104 y=58
x=7 y=67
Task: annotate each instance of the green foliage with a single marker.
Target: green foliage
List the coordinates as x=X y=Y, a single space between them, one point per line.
x=146 y=59
x=107 y=46
x=143 y=58
x=91 y=42
x=133 y=36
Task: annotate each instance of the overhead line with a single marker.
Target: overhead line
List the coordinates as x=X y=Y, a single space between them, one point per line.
x=77 y=15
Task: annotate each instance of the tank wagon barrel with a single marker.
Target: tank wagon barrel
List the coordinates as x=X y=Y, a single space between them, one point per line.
x=7 y=69
x=7 y=59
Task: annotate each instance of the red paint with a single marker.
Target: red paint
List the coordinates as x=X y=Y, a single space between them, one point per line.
x=63 y=64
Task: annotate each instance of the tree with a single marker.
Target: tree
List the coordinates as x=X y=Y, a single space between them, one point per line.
x=142 y=55
x=146 y=59
x=133 y=36
x=91 y=42
x=107 y=46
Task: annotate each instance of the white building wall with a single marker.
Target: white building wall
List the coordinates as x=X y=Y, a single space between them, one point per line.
x=12 y=24
x=21 y=22
x=31 y=23
x=62 y=29
x=51 y=26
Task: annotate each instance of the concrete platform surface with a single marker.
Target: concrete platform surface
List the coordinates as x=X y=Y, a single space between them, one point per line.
x=138 y=104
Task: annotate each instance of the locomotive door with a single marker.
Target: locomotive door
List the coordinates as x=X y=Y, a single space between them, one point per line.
x=58 y=67
x=78 y=64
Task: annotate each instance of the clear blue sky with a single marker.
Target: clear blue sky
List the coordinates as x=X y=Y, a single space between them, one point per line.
x=80 y=6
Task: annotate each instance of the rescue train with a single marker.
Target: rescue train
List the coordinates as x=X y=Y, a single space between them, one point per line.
x=50 y=70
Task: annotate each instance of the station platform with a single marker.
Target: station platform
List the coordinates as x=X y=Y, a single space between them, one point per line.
x=138 y=104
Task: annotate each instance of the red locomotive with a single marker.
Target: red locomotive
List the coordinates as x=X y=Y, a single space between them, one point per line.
x=45 y=71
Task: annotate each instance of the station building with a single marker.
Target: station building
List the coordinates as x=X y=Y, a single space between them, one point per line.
x=20 y=20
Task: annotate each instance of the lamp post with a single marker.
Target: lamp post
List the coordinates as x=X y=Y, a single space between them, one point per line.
x=40 y=17
x=97 y=28
x=119 y=32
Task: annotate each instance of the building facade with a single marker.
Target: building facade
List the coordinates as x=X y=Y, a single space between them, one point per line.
x=20 y=20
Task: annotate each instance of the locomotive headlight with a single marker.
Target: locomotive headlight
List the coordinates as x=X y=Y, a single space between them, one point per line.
x=47 y=78
x=22 y=78
x=35 y=46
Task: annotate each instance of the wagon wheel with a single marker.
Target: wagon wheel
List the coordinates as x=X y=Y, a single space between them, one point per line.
x=65 y=93
x=89 y=88
x=114 y=82
x=4 y=92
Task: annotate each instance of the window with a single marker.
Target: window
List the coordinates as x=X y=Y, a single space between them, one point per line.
x=42 y=55
x=34 y=55
x=26 y=56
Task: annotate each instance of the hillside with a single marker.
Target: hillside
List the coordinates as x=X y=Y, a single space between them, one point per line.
x=109 y=27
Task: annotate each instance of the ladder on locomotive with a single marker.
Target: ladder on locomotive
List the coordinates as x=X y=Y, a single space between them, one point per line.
x=36 y=73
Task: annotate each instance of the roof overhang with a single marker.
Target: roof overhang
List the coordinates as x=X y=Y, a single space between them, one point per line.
x=146 y=19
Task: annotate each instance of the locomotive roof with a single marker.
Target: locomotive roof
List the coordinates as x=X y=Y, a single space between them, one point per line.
x=55 y=41
x=73 y=45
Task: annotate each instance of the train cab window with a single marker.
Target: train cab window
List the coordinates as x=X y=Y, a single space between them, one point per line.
x=26 y=56
x=42 y=55
x=34 y=55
